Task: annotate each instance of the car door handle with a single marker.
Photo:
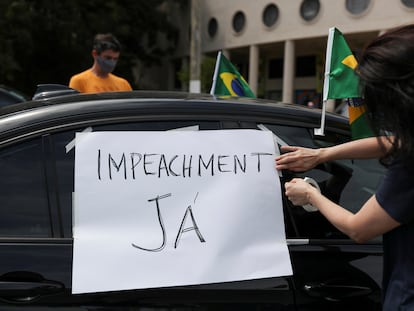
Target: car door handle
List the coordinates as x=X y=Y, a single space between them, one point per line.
x=336 y=292
x=19 y=289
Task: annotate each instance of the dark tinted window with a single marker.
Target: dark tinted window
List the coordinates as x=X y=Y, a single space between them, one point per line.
x=350 y=183
x=306 y=66
x=270 y=15
x=309 y=9
x=212 y=27
x=24 y=210
x=357 y=6
x=275 y=69
x=408 y=3
x=65 y=163
x=65 y=157
x=239 y=21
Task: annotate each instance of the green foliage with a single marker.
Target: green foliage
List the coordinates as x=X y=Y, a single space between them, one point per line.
x=207 y=71
x=184 y=76
x=47 y=41
x=206 y=76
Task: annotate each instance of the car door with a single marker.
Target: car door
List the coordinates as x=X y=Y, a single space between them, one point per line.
x=36 y=254
x=331 y=272
x=33 y=252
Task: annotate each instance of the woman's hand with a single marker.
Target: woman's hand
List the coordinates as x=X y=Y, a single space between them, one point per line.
x=297 y=191
x=297 y=159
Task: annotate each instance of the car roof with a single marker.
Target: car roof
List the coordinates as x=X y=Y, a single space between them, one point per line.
x=80 y=109
x=11 y=96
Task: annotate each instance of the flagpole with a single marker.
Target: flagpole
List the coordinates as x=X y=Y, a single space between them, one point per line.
x=321 y=131
x=216 y=71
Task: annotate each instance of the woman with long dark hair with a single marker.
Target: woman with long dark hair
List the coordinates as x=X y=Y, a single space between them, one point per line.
x=386 y=71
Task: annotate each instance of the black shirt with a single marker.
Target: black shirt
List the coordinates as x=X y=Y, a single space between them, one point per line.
x=396 y=196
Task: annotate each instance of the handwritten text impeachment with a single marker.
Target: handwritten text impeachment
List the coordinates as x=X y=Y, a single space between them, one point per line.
x=130 y=165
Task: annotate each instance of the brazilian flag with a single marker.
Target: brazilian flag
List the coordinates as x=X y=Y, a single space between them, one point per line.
x=341 y=82
x=228 y=81
x=358 y=119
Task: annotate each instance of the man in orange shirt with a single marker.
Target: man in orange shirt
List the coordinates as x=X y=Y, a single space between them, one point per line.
x=105 y=52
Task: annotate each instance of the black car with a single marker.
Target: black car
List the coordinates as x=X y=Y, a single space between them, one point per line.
x=330 y=271
x=10 y=96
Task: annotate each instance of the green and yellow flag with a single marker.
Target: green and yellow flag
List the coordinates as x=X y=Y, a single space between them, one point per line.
x=227 y=80
x=341 y=82
x=358 y=119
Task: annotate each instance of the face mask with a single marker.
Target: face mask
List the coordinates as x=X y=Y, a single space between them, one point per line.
x=106 y=65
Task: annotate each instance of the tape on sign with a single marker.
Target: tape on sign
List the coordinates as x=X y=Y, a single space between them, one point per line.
x=313 y=183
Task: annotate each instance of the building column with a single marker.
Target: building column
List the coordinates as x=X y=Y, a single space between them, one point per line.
x=253 y=68
x=288 y=72
x=195 y=48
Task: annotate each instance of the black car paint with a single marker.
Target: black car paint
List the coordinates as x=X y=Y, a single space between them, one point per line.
x=11 y=96
x=329 y=272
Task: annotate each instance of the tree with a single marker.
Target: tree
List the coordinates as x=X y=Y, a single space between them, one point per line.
x=47 y=41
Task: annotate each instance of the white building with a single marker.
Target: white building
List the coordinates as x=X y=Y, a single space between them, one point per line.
x=279 y=46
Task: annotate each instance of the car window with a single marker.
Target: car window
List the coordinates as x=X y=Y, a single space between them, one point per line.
x=349 y=183
x=65 y=156
x=24 y=210
x=64 y=164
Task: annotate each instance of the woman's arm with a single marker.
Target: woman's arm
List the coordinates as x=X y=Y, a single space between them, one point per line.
x=302 y=159
x=370 y=221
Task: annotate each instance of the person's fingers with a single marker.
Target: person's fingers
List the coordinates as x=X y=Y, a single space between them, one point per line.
x=289 y=167
x=288 y=148
x=286 y=158
x=282 y=166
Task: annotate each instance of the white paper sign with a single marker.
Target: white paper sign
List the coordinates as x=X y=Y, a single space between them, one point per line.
x=160 y=209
